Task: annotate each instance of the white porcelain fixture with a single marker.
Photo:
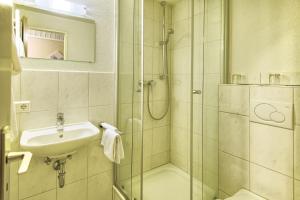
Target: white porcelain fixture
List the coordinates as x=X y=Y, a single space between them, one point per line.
x=46 y=142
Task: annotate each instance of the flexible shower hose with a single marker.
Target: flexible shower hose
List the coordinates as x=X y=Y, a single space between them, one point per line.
x=168 y=102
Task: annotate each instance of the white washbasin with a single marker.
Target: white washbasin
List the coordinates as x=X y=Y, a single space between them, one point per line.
x=46 y=142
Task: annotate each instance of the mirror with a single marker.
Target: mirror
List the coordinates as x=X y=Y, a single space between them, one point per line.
x=43 y=34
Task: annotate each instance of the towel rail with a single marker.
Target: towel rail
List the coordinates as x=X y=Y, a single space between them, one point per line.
x=101 y=127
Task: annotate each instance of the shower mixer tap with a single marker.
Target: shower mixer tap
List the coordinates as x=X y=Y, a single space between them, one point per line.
x=145 y=83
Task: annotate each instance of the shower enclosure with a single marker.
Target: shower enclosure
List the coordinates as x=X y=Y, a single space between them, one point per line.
x=170 y=63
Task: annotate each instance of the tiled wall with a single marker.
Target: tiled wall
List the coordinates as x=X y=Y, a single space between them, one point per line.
x=81 y=96
x=181 y=78
x=254 y=54
x=259 y=157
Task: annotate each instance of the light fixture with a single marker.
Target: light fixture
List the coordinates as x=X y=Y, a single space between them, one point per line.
x=6 y=2
x=56 y=5
x=62 y=5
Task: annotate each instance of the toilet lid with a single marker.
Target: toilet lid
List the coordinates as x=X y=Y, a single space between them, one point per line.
x=245 y=195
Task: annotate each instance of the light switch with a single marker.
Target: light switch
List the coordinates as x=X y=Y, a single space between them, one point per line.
x=22 y=106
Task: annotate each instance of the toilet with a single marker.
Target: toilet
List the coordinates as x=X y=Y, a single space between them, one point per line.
x=245 y=195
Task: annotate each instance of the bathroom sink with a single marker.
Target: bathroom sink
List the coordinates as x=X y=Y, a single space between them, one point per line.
x=46 y=142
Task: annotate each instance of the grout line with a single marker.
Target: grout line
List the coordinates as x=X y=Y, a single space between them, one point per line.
x=253 y=163
x=234 y=155
x=249 y=137
x=235 y=114
x=294 y=124
x=38 y=193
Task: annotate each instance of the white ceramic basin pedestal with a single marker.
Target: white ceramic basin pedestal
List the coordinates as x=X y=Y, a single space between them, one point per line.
x=46 y=142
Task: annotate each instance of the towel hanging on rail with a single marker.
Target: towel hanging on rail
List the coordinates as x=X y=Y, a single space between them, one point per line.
x=112 y=143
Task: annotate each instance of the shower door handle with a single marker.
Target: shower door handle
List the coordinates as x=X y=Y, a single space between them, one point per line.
x=197 y=92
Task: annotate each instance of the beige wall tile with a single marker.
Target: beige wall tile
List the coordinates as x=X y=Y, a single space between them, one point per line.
x=198 y=22
x=210 y=155
x=211 y=122
x=41 y=89
x=157 y=61
x=73 y=191
x=97 y=162
x=49 y=195
x=197 y=117
x=73 y=89
x=148 y=9
x=31 y=182
x=181 y=59
x=76 y=168
x=181 y=11
x=75 y=115
x=148 y=32
x=161 y=139
x=270 y=184
x=272 y=147
x=100 y=186
x=234 y=134
x=160 y=159
x=147 y=143
x=272 y=93
x=180 y=115
x=212 y=54
x=148 y=55
x=101 y=89
x=197 y=148
x=297 y=105
x=39 y=119
x=233 y=172
x=211 y=89
x=297 y=152
x=179 y=85
x=101 y=114
x=16 y=87
x=297 y=190
x=182 y=35
x=234 y=99
x=180 y=140
x=210 y=180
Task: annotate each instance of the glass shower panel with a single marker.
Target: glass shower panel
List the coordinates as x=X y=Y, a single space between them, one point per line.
x=197 y=77
x=166 y=49
x=213 y=76
x=129 y=97
x=167 y=44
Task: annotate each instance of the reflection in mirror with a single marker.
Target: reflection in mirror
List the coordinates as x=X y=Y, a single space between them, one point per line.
x=45 y=34
x=45 y=44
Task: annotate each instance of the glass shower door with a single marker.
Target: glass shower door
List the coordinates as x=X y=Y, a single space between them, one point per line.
x=208 y=70
x=130 y=93
x=176 y=42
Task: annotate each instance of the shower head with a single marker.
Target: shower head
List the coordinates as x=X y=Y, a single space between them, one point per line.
x=163 y=3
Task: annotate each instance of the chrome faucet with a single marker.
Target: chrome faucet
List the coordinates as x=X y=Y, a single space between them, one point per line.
x=60 y=121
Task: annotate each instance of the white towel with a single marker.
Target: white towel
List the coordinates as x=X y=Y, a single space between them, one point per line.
x=108 y=126
x=113 y=146
x=7 y=35
x=13 y=120
x=16 y=65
